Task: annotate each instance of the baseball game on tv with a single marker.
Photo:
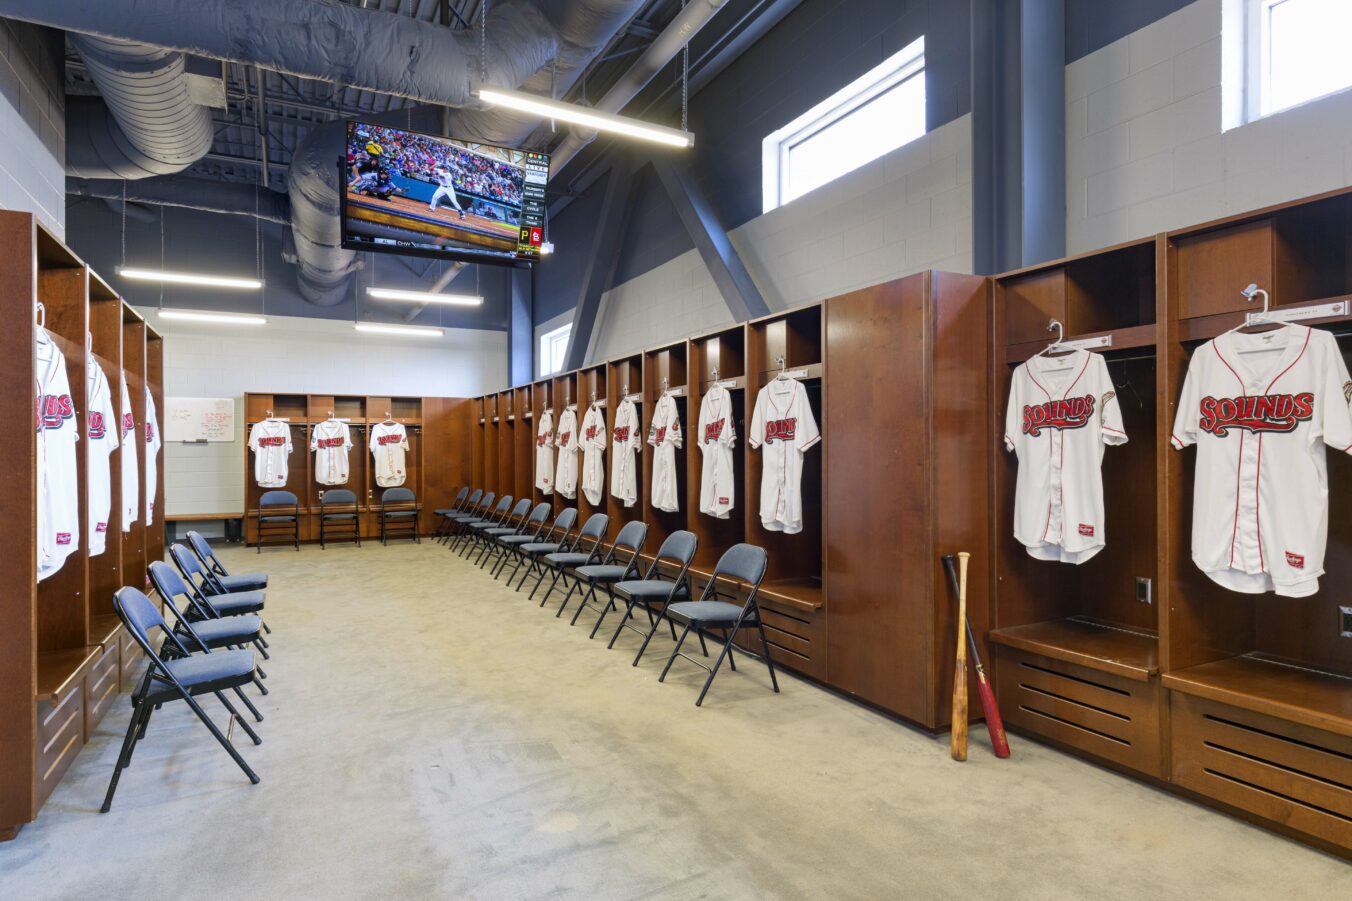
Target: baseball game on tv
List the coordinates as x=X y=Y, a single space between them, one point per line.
x=413 y=193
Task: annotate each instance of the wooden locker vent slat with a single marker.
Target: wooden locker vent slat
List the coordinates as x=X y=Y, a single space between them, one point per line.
x=1080 y=726
x=1060 y=675
x=1051 y=694
x=1263 y=789
x=1286 y=739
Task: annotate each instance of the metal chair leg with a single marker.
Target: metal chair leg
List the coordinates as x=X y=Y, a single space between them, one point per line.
x=713 y=671
x=224 y=742
x=258 y=717
x=769 y=661
x=248 y=730
x=567 y=597
x=674 y=651
x=124 y=757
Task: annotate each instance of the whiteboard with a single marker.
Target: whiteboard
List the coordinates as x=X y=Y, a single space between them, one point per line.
x=199 y=419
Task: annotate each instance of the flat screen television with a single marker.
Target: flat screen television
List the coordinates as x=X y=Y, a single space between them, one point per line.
x=412 y=193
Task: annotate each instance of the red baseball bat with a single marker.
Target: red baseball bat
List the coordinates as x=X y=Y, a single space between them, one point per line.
x=994 y=725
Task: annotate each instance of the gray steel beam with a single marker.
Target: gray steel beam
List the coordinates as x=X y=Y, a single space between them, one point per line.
x=605 y=253
x=734 y=282
x=1043 y=105
x=520 y=334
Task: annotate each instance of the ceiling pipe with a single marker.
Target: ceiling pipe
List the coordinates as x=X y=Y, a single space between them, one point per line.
x=188 y=193
x=661 y=51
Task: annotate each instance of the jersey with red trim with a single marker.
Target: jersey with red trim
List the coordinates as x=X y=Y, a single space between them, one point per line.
x=58 y=513
x=783 y=427
x=627 y=440
x=389 y=445
x=101 y=427
x=270 y=440
x=1260 y=408
x=131 y=475
x=716 y=436
x=331 y=442
x=592 y=440
x=565 y=468
x=1062 y=414
x=152 y=457
x=664 y=434
x=544 y=453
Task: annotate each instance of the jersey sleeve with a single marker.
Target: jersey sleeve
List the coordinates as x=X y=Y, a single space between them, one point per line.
x=253 y=438
x=1337 y=389
x=806 y=434
x=1110 y=412
x=403 y=438
x=288 y=438
x=658 y=414
x=1012 y=418
x=674 y=428
x=1185 y=421
x=755 y=436
x=347 y=437
x=110 y=421
x=314 y=440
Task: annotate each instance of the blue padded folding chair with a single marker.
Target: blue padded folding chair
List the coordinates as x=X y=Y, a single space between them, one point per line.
x=472 y=509
x=218 y=573
x=586 y=548
x=182 y=676
x=619 y=563
x=278 y=517
x=469 y=532
x=655 y=591
x=488 y=537
x=510 y=543
x=398 y=513
x=744 y=565
x=230 y=603
x=457 y=504
x=555 y=538
x=475 y=514
x=199 y=627
x=338 y=515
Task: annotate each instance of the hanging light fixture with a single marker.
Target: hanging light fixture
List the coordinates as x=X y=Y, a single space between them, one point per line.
x=209 y=316
x=412 y=331
x=190 y=278
x=456 y=300
x=581 y=115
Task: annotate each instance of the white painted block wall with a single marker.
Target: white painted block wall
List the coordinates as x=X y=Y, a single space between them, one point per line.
x=1145 y=152
x=905 y=212
x=32 y=170
x=302 y=356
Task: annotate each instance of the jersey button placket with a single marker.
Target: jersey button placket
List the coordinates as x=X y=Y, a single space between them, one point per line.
x=1055 y=519
x=1248 y=555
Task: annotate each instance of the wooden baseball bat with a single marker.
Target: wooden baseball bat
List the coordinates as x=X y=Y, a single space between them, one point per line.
x=958 y=744
x=994 y=724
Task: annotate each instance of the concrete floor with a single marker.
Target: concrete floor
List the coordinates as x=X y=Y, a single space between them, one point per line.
x=430 y=734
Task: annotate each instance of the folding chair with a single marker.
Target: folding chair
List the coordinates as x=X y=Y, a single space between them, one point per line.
x=744 y=564
x=586 y=548
x=338 y=513
x=231 y=603
x=555 y=538
x=183 y=677
x=446 y=512
x=201 y=625
x=510 y=542
x=464 y=514
x=653 y=590
x=278 y=517
x=400 y=518
x=475 y=514
x=608 y=572
x=512 y=524
x=241 y=582
x=469 y=531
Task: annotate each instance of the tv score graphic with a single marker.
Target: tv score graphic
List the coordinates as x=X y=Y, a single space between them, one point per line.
x=533 y=205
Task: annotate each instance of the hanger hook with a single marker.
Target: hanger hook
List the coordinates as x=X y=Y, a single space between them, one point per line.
x=780 y=360
x=1055 y=325
x=42 y=315
x=1252 y=290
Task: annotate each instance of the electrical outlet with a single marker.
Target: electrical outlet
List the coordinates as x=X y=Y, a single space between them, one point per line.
x=1345 y=622
x=1144 y=590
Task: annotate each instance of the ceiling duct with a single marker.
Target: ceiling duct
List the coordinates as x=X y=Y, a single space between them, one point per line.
x=189 y=193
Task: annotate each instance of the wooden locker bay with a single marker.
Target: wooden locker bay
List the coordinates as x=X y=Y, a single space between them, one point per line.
x=64 y=655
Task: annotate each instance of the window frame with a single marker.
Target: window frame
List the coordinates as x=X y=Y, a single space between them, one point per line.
x=548 y=340
x=1256 y=50
x=777 y=147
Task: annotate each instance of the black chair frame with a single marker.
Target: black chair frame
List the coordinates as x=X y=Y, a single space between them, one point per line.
x=278 y=519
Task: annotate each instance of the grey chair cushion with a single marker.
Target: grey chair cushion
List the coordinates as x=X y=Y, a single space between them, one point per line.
x=500 y=531
x=340 y=516
x=600 y=573
x=237 y=602
x=567 y=559
x=202 y=673
x=645 y=588
x=276 y=519
x=244 y=581
x=398 y=514
x=517 y=539
x=227 y=630
x=540 y=547
x=707 y=612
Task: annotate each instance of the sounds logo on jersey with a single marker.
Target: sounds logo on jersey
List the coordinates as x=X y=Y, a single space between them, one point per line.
x=781 y=429
x=1256 y=413
x=97 y=427
x=1071 y=413
x=621 y=434
x=53 y=410
x=712 y=431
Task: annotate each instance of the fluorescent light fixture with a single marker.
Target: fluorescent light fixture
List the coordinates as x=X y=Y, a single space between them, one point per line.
x=189 y=278
x=459 y=300
x=207 y=316
x=418 y=331
x=581 y=115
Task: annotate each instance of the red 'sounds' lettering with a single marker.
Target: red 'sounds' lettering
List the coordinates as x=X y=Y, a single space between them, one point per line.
x=1086 y=530
x=781 y=429
x=271 y=442
x=563 y=438
x=330 y=442
x=101 y=527
x=659 y=434
x=622 y=434
x=1295 y=561
x=150 y=432
x=128 y=424
x=388 y=439
x=1257 y=413
x=1071 y=413
x=54 y=409
x=591 y=432
x=712 y=431
x=541 y=440
x=97 y=427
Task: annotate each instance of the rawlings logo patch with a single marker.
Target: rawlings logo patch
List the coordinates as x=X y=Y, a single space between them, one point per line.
x=1086 y=530
x=1295 y=561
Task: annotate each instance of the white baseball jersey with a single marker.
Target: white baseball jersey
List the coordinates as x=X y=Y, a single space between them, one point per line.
x=593 y=443
x=131 y=482
x=152 y=457
x=331 y=442
x=389 y=441
x=101 y=429
x=270 y=440
x=1259 y=407
x=565 y=439
x=664 y=434
x=544 y=453
x=1062 y=413
x=716 y=436
x=784 y=427
x=628 y=440
x=58 y=513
